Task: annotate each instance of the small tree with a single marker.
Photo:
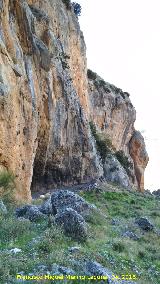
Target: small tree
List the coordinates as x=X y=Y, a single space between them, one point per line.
x=77 y=8
x=7 y=185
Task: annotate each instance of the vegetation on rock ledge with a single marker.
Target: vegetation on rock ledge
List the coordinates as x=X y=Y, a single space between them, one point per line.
x=103 y=143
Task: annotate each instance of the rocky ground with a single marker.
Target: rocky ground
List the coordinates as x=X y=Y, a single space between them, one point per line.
x=103 y=234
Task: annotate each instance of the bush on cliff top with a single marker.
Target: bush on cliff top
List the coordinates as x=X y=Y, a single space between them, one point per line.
x=76 y=6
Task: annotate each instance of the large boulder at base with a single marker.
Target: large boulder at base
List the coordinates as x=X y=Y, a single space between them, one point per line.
x=46 y=208
x=30 y=212
x=3 y=209
x=72 y=223
x=114 y=172
x=144 y=224
x=66 y=199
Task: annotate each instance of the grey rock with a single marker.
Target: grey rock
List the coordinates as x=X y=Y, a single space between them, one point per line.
x=46 y=207
x=156 y=193
x=3 y=209
x=33 y=214
x=74 y=249
x=4 y=90
x=15 y=250
x=96 y=269
x=30 y=212
x=72 y=223
x=21 y=212
x=66 y=199
x=130 y=235
x=17 y=70
x=39 y=14
x=42 y=51
x=114 y=172
x=115 y=222
x=66 y=270
x=93 y=268
x=144 y=224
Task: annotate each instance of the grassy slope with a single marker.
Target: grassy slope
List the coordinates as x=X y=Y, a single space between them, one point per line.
x=105 y=243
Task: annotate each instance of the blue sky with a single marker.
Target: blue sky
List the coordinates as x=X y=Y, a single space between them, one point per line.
x=123 y=46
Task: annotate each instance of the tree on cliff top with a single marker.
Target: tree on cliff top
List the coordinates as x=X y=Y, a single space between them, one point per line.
x=77 y=8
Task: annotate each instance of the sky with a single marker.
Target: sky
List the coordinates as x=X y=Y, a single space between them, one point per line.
x=123 y=47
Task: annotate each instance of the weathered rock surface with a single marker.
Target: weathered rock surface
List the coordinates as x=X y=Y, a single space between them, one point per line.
x=131 y=235
x=114 y=172
x=30 y=212
x=46 y=208
x=114 y=115
x=139 y=156
x=144 y=224
x=95 y=268
x=45 y=105
x=72 y=223
x=63 y=199
x=112 y=112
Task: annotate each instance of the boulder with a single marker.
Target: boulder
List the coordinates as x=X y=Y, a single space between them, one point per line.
x=66 y=199
x=73 y=224
x=73 y=250
x=131 y=235
x=30 y=212
x=94 y=268
x=144 y=224
x=46 y=208
x=15 y=250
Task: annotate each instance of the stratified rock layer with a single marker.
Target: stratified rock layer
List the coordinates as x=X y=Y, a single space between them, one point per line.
x=45 y=106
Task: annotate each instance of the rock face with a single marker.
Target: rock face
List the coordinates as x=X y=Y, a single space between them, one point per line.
x=139 y=156
x=114 y=172
x=113 y=114
x=112 y=111
x=45 y=105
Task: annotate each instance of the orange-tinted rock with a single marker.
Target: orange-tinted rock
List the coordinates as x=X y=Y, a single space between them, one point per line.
x=139 y=156
x=45 y=106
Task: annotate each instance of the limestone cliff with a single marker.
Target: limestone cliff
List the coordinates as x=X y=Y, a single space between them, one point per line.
x=45 y=105
x=114 y=115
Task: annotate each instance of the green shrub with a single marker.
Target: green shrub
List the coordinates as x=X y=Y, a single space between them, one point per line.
x=126 y=164
x=77 y=8
x=118 y=246
x=91 y=75
x=103 y=143
x=6 y=185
